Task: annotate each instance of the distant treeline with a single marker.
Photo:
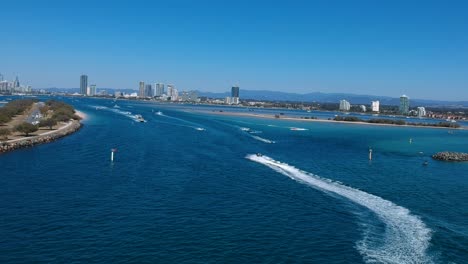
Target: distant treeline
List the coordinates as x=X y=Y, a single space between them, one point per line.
x=395 y=122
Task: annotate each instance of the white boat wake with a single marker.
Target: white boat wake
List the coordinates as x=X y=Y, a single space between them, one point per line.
x=190 y=124
x=406 y=238
x=250 y=132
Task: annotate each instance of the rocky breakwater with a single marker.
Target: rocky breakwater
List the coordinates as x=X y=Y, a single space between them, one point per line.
x=40 y=139
x=451 y=156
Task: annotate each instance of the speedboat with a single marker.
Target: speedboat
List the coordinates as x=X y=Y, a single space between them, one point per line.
x=259 y=155
x=139 y=118
x=159 y=113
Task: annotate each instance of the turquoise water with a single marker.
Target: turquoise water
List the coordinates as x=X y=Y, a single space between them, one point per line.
x=183 y=189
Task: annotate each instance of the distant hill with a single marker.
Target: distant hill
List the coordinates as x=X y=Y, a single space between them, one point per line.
x=296 y=97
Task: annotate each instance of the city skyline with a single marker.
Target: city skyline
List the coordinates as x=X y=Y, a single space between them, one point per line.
x=384 y=49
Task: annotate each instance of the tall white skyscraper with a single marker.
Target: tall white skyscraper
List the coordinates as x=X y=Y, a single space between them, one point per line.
x=421 y=111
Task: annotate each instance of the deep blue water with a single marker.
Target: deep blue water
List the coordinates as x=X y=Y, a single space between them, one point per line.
x=177 y=194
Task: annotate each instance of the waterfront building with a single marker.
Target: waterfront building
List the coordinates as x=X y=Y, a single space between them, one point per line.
x=404 y=105
x=148 y=90
x=141 y=90
x=83 y=84
x=92 y=90
x=363 y=108
x=344 y=105
x=118 y=94
x=235 y=95
x=190 y=96
x=228 y=100
x=172 y=92
x=159 y=89
x=421 y=111
x=16 y=84
x=375 y=106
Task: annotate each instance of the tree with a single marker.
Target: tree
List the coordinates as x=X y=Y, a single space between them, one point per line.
x=48 y=123
x=4 y=133
x=4 y=119
x=26 y=128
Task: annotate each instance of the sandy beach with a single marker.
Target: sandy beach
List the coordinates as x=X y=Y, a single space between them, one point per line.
x=81 y=114
x=285 y=117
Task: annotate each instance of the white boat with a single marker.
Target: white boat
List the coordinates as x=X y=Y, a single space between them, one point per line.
x=139 y=118
x=159 y=113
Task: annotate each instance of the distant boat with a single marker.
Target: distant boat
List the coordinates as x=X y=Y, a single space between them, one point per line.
x=116 y=106
x=297 y=129
x=200 y=129
x=159 y=113
x=425 y=163
x=139 y=118
x=259 y=155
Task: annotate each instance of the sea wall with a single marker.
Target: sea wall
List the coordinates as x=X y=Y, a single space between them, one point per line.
x=451 y=156
x=40 y=139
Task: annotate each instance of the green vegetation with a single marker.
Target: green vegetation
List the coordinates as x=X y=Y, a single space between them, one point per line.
x=395 y=122
x=50 y=122
x=61 y=111
x=4 y=133
x=14 y=108
x=26 y=128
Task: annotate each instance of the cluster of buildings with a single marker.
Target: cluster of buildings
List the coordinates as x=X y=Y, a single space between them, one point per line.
x=404 y=107
x=157 y=91
x=85 y=89
x=165 y=92
x=8 y=87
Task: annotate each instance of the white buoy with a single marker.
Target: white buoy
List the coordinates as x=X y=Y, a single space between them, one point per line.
x=370 y=154
x=112 y=154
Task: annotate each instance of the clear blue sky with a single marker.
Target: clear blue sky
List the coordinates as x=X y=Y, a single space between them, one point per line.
x=419 y=48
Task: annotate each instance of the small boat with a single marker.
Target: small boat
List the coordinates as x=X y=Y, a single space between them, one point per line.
x=159 y=113
x=200 y=129
x=139 y=118
x=245 y=129
x=425 y=163
x=259 y=155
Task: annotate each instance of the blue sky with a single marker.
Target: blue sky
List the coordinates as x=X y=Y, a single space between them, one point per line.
x=419 y=48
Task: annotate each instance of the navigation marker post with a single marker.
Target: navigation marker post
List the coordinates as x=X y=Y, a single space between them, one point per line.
x=112 y=154
x=370 y=154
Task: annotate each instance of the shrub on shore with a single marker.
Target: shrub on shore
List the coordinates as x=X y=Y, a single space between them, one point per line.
x=13 y=108
x=50 y=122
x=4 y=133
x=26 y=128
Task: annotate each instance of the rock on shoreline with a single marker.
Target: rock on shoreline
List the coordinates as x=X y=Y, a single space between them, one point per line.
x=40 y=139
x=451 y=156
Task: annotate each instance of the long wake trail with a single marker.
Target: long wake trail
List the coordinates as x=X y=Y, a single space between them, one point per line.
x=406 y=238
x=188 y=123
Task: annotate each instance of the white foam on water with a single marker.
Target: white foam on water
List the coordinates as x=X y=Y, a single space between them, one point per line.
x=406 y=238
x=262 y=139
x=191 y=124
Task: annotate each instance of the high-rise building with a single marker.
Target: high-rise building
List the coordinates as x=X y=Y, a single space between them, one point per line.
x=83 y=84
x=363 y=108
x=190 y=96
x=92 y=90
x=141 y=90
x=159 y=89
x=421 y=111
x=148 y=90
x=344 y=105
x=227 y=100
x=1 y=77
x=235 y=91
x=169 y=90
x=16 y=84
x=234 y=95
x=375 y=106
x=404 y=105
